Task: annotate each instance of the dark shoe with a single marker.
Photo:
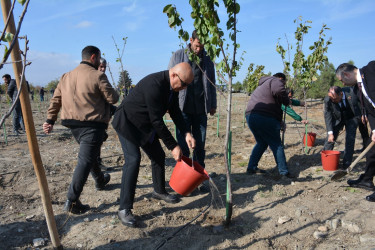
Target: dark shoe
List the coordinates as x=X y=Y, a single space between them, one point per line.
x=256 y=171
x=360 y=183
x=105 y=168
x=75 y=207
x=203 y=188
x=212 y=175
x=100 y=185
x=127 y=218
x=170 y=198
x=288 y=176
x=371 y=197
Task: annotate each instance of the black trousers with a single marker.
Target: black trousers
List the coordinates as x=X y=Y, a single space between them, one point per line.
x=364 y=132
x=370 y=164
x=90 y=140
x=130 y=170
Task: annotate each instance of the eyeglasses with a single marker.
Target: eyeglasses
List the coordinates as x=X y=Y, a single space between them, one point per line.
x=183 y=84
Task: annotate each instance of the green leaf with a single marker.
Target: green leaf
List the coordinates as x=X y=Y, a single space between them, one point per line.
x=166 y=8
x=22 y=2
x=237 y=8
x=186 y=36
x=5 y=50
x=8 y=37
x=172 y=21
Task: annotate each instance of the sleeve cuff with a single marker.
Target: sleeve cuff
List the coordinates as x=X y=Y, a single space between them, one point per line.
x=52 y=122
x=330 y=133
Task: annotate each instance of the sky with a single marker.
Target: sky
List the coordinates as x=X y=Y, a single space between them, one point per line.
x=58 y=30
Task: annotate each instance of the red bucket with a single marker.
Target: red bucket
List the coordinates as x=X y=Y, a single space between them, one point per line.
x=330 y=159
x=186 y=177
x=310 y=139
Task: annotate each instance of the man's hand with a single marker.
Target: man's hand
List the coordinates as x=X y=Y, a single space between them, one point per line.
x=190 y=140
x=302 y=103
x=177 y=153
x=304 y=121
x=47 y=128
x=212 y=111
x=282 y=126
x=331 y=138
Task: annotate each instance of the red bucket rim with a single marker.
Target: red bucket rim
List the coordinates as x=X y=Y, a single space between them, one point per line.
x=330 y=152
x=197 y=167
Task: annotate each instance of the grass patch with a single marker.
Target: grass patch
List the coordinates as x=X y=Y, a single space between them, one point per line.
x=351 y=190
x=242 y=164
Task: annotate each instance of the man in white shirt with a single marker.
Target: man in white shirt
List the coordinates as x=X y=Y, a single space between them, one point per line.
x=364 y=80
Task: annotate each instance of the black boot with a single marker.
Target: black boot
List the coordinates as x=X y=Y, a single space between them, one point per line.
x=371 y=197
x=170 y=198
x=360 y=183
x=75 y=207
x=99 y=185
x=127 y=218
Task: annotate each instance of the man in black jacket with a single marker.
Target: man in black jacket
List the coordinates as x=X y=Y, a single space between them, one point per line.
x=341 y=109
x=139 y=123
x=364 y=78
x=12 y=92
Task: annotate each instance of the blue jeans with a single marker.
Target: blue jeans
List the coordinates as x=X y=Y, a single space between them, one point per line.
x=198 y=125
x=266 y=131
x=90 y=140
x=17 y=118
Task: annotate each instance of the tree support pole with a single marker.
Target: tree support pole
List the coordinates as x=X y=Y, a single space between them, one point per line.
x=30 y=129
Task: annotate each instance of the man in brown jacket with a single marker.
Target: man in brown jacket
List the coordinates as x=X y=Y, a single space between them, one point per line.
x=84 y=96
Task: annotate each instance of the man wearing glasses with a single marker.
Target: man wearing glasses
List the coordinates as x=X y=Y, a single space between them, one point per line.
x=364 y=81
x=198 y=99
x=139 y=123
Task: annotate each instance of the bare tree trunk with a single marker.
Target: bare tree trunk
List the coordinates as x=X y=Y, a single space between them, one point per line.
x=229 y=200
x=30 y=128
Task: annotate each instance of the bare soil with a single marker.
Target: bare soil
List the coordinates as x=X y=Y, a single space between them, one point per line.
x=268 y=212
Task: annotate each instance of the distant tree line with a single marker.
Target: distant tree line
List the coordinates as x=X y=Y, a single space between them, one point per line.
x=319 y=88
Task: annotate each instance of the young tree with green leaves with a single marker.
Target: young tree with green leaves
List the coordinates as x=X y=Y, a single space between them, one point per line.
x=206 y=22
x=305 y=67
x=250 y=83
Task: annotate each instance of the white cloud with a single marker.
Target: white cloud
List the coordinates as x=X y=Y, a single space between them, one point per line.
x=132 y=26
x=47 y=66
x=84 y=24
x=131 y=8
x=340 y=12
x=136 y=14
x=77 y=8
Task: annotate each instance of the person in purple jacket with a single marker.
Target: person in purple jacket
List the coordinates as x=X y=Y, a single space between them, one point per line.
x=264 y=118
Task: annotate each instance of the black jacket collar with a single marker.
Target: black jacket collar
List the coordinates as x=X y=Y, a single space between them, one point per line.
x=88 y=63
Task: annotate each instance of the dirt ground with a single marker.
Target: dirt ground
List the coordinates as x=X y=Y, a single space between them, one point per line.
x=310 y=212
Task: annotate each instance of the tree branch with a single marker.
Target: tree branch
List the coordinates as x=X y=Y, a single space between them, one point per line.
x=15 y=35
